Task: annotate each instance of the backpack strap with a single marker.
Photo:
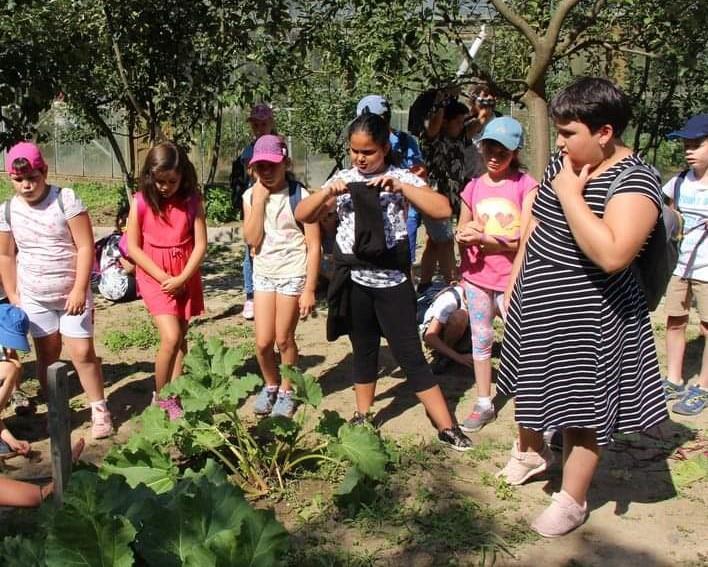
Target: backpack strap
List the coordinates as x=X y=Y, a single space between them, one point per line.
x=8 y=208
x=621 y=177
x=294 y=197
x=8 y=212
x=456 y=293
x=680 y=178
x=452 y=289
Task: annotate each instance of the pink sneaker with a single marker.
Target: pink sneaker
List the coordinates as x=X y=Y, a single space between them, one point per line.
x=561 y=517
x=522 y=466
x=172 y=406
x=101 y=424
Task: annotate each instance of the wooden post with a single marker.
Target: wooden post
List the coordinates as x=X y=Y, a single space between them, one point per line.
x=59 y=428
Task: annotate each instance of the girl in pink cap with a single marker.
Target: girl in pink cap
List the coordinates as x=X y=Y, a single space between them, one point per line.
x=285 y=267
x=167 y=240
x=50 y=281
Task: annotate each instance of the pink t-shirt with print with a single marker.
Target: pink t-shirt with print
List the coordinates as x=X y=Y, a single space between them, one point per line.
x=498 y=208
x=46 y=253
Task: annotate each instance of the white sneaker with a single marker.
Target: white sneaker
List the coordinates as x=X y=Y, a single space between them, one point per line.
x=248 y=312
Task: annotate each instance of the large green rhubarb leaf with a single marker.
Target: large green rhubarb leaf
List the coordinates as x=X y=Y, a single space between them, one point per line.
x=306 y=389
x=206 y=524
x=88 y=530
x=141 y=463
x=363 y=448
x=21 y=551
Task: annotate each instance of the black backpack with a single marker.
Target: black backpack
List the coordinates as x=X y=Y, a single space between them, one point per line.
x=655 y=264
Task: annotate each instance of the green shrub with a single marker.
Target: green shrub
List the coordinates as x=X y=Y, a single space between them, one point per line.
x=218 y=205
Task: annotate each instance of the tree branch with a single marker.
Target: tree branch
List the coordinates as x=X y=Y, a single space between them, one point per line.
x=574 y=33
x=139 y=109
x=511 y=16
x=550 y=38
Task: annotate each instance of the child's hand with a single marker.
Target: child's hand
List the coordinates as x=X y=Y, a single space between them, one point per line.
x=471 y=233
x=465 y=360
x=307 y=303
x=173 y=285
x=567 y=182
x=76 y=302
x=387 y=183
x=260 y=193
x=337 y=187
x=19 y=446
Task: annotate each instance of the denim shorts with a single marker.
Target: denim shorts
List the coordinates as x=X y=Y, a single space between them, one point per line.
x=283 y=286
x=438 y=230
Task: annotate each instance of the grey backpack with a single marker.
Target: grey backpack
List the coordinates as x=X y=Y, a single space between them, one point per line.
x=655 y=264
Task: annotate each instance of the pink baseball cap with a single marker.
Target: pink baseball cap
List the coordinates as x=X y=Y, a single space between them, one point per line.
x=261 y=112
x=24 y=150
x=269 y=148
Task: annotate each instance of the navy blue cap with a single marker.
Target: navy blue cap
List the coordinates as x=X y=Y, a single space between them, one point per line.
x=14 y=325
x=695 y=127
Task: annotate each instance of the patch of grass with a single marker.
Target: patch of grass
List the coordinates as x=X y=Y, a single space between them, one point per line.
x=101 y=199
x=328 y=556
x=485 y=449
x=143 y=336
x=502 y=489
x=462 y=526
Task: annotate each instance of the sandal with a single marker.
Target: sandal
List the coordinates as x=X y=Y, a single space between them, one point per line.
x=21 y=403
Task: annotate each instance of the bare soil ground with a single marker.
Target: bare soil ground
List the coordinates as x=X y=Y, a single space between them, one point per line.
x=440 y=508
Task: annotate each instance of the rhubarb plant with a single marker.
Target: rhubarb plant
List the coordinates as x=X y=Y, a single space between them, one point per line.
x=259 y=457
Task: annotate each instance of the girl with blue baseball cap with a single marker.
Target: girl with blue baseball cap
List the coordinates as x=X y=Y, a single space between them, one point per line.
x=495 y=212
x=14 y=326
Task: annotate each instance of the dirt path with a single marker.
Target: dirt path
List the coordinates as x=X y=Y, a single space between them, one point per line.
x=638 y=516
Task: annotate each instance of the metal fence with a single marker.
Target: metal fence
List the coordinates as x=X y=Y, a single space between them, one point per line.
x=96 y=160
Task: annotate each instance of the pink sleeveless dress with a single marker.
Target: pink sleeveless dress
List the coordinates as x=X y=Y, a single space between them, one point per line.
x=168 y=241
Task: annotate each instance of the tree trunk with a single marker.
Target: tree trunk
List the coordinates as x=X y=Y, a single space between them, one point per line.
x=642 y=116
x=108 y=133
x=216 y=150
x=538 y=134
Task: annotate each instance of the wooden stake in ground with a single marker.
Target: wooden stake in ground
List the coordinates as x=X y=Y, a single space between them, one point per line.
x=59 y=427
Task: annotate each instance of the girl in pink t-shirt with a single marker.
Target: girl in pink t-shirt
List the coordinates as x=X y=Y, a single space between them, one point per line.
x=495 y=211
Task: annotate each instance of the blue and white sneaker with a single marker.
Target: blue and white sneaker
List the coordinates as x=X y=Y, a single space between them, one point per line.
x=284 y=405
x=693 y=402
x=265 y=401
x=672 y=391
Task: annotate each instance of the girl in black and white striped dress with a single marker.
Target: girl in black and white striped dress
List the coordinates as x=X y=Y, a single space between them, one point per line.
x=578 y=352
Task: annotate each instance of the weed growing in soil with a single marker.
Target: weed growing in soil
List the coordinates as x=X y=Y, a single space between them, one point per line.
x=143 y=336
x=502 y=489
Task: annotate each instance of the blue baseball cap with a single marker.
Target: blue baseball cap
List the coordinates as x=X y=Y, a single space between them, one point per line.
x=505 y=130
x=695 y=127
x=14 y=326
x=374 y=104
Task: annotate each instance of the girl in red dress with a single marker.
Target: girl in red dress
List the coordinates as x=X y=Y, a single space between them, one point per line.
x=167 y=240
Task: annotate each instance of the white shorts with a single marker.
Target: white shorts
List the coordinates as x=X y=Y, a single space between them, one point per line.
x=45 y=320
x=283 y=286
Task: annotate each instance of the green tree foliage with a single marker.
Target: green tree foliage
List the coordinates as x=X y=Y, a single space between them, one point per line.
x=655 y=50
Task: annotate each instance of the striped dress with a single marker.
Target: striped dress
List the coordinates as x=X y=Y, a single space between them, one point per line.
x=578 y=349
